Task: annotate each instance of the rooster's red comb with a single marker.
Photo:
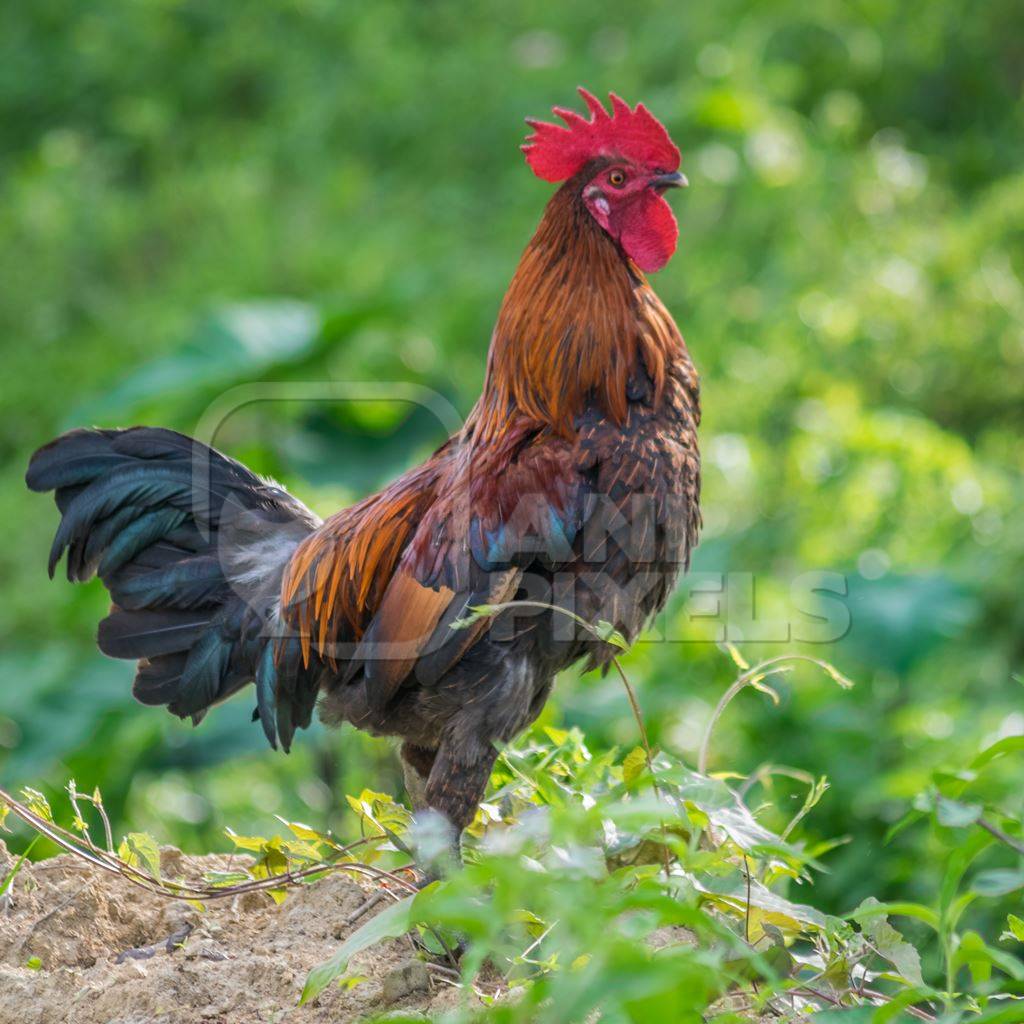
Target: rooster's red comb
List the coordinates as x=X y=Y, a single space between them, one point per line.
x=555 y=153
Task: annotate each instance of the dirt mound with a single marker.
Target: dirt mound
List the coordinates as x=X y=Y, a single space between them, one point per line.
x=66 y=926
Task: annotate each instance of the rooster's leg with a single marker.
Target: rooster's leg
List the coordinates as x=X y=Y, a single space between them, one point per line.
x=457 y=782
x=416 y=765
x=451 y=782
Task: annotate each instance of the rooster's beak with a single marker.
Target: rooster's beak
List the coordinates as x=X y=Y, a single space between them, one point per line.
x=673 y=180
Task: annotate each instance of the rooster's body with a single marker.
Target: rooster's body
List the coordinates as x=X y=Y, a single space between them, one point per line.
x=574 y=483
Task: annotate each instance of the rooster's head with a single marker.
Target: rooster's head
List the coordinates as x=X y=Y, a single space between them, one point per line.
x=622 y=162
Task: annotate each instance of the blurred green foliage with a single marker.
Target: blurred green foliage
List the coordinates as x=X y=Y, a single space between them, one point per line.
x=196 y=196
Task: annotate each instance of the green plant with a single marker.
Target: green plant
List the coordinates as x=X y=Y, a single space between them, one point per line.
x=629 y=884
x=8 y=879
x=643 y=890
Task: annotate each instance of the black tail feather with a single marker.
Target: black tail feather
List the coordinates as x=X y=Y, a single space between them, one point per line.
x=196 y=582
x=156 y=681
x=143 y=509
x=205 y=669
x=145 y=530
x=143 y=633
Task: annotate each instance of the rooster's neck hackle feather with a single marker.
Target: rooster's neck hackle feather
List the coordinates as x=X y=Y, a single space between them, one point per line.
x=578 y=322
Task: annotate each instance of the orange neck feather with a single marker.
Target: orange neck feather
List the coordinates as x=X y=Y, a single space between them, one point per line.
x=578 y=321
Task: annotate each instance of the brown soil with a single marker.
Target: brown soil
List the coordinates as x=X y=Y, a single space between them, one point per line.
x=244 y=959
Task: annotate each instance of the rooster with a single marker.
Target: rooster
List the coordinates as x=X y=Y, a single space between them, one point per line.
x=573 y=486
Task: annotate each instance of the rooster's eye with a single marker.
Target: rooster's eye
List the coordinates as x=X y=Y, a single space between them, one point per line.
x=617 y=178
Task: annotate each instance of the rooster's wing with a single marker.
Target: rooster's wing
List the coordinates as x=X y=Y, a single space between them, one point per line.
x=377 y=588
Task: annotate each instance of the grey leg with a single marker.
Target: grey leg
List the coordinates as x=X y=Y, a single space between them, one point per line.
x=416 y=765
x=458 y=780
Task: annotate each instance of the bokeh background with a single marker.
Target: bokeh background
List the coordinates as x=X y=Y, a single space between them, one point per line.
x=195 y=196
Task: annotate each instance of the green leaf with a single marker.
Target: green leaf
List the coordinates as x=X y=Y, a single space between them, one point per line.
x=954 y=814
x=396 y=920
x=610 y=635
x=734 y=652
x=634 y=765
x=1016 y=926
x=896 y=1008
x=255 y=844
x=382 y=811
x=997 y=882
x=1007 y=745
x=557 y=736
x=221 y=879
x=891 y=945
x=8 y=879
x=725 y=811
x=33 y=963
x=139 y=849
x=305 y=832
x=980 y=958
x=844 y=1015
x=775 y=909
x=845 y=682
x=437 y=941
x=758 y=683
x=910 y=818
x=872 y=908
x=959 y=861
x=476 y=612
x=350 y=981
x=37 y=803
x=272 y=863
